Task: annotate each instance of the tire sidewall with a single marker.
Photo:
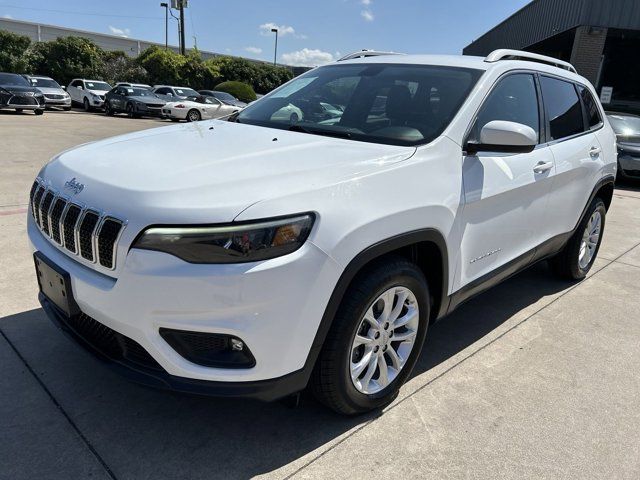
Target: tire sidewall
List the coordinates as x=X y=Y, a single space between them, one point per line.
x=577 y=271
x=360 y=401
x=189 y=119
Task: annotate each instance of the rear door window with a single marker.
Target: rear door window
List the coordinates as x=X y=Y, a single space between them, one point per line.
x=564 y=110
x=591 y=110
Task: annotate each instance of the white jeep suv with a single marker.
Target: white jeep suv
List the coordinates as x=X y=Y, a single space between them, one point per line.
x=257 y=256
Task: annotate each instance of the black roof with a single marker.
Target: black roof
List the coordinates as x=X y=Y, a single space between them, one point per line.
x=542 y=19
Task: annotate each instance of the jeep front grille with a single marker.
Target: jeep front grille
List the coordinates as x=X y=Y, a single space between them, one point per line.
x=81 y=230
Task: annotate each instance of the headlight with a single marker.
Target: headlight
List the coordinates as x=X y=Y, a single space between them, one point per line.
x=230 y=243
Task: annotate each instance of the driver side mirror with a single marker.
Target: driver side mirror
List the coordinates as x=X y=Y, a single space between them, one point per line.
x=504 y=137
x=80 y=88
x=64 y=88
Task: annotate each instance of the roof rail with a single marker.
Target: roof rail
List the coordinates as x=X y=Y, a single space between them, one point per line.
x=366 y=53
x=504 y=54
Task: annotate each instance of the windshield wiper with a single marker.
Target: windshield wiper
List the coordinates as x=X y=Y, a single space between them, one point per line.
x=313 y=131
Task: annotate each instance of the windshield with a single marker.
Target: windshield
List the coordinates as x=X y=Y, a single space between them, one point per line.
x=382 y=103
x=187 y=92
x=225 y=97
x=625 y=125
x=97 y=86
x=139 y=92
x=13 y=79
x=44 y=83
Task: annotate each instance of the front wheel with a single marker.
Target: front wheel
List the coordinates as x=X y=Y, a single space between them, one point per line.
x=39 y=111
x=193 y=116
x=375 y=339
x=108 y=111
x=579 y=254
x=86 y=105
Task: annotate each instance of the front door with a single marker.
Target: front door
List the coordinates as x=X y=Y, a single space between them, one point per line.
x=505 y=195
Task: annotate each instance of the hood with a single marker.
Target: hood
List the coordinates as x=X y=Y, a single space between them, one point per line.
x=52 y=90
x=98 y=92
x=208 y=172
x=189 y=103
x=146 y=99
x=17 y=89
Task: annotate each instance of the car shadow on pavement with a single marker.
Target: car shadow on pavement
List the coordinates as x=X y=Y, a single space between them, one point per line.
x=145 y=433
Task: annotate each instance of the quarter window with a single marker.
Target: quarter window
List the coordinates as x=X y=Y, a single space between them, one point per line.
x=563 y=108
x=514 y=99
x=591 y=107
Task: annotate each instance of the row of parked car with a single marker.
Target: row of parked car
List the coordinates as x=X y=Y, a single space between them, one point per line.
x=37 y=93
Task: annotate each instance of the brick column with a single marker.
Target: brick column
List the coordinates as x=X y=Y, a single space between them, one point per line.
x=588 y=46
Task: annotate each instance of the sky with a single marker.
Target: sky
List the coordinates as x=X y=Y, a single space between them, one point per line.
x=312 y=32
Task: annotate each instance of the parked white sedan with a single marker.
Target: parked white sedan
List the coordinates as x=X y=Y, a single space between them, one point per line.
x=200 y=108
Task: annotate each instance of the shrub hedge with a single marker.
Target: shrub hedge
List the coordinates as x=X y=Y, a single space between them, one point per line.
x=240 y=90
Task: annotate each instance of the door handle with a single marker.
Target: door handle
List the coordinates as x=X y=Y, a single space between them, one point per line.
x=542 y=167
x=595 y=151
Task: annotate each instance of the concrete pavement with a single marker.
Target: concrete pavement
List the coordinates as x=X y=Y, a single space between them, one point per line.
x=536 y=378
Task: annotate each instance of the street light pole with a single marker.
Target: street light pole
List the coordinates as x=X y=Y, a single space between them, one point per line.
x=182 y=43
x=166 y=24
x=275 y=52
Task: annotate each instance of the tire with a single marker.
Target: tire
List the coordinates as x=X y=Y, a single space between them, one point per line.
x=130 y=111
x=66 y=109
x=108 y=111
x=331 y=381
x=575 y=260
x=18 y=110
x=174 y=119
x=193 y=115
x=39 y=111
x=85 y=104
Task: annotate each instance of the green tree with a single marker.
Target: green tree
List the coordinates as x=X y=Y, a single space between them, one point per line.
x=12 y=52
x=118 y=67
x=163 y=66
x=67 y=58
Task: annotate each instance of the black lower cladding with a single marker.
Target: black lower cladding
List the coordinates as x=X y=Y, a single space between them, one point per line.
x=131 y=360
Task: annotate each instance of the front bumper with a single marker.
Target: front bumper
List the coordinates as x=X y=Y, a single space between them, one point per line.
x=139 y=367
x=629 y=160
x=57 y=102
x=179 y=114
x=149 y=111
x=274 y=306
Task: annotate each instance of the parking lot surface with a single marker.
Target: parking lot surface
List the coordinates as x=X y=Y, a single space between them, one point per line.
x=536 y=378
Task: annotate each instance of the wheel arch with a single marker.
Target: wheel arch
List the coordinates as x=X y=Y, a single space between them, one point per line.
x=427 y=248
x=604 y=190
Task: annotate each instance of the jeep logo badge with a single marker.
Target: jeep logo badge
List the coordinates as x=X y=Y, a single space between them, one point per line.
x=74 y=186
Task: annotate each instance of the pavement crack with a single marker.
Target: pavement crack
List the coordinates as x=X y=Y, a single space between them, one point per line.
x=84 y=439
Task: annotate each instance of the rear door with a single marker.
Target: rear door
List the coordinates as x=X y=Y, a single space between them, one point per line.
x=505 y=195
x=73 y=91
x=575 y=147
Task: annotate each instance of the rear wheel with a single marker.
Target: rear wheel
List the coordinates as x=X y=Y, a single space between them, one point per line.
x=375 y=339
x=579 y=254
x=18 y=110
x=193 y=116
x=66 y=109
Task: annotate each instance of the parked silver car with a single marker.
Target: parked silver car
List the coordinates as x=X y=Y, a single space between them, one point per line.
x=627 y=128
x=54 y=94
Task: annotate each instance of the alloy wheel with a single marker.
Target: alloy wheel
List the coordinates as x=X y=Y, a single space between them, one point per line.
x=384 y=340
x=590 y=239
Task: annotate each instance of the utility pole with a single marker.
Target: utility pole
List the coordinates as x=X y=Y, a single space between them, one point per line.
x=166 y=24
x=182 y=42
x=275 y=52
